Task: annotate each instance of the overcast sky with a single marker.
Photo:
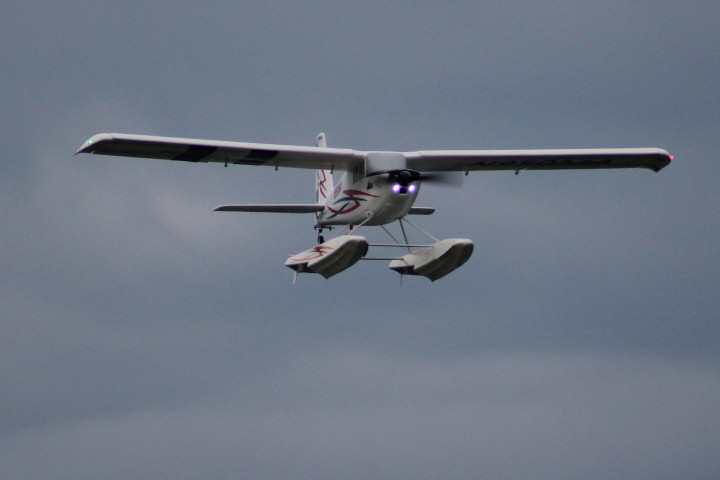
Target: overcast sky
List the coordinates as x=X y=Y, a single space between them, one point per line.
x=144 y=336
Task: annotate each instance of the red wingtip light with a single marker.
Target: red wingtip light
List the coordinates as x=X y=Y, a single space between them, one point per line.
x=672 y=157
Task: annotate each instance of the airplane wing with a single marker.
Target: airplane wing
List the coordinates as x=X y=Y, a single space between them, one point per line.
x=556 y=159
x=242 y=153
x=195 y=150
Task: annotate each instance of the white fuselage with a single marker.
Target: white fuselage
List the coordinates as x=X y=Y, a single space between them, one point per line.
x=376 y=197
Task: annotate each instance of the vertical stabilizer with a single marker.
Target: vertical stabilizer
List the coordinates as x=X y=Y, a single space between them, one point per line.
x=323 y=178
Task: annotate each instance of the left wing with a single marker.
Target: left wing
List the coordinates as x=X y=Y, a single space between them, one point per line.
x=195 y=150
x=470 y=160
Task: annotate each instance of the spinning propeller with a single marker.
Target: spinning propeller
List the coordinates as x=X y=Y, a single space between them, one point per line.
x=404 y=178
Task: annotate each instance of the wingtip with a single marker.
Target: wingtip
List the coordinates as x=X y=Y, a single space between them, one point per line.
x=660 y=159
x=87 y=146
x=91 y=143
x=667 y=159
x=80 y=150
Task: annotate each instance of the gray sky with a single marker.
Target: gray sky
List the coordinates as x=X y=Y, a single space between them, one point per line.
x=144 y=336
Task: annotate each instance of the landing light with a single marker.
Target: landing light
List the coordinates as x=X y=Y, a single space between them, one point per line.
x=396 y=188
x=412 y=188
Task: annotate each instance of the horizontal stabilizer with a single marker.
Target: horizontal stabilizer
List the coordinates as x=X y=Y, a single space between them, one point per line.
x=276 y=208
x=421 y=211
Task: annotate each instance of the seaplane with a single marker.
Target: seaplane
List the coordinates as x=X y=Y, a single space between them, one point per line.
x=373 y=188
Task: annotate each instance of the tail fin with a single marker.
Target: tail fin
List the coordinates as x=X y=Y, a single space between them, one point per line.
x=323 y=178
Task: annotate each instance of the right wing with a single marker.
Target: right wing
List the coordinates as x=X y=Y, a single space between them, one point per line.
x=549 y=159
x=195 y=150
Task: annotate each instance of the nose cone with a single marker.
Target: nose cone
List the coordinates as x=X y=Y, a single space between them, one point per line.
x=404 y=178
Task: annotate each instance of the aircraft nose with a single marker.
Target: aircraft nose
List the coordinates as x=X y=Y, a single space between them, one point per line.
x=404 y=178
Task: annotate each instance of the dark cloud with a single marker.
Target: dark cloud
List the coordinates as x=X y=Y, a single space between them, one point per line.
x=334 y=412
x=144 y=335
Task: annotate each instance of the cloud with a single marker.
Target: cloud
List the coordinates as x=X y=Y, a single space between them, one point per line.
x=334 y=412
